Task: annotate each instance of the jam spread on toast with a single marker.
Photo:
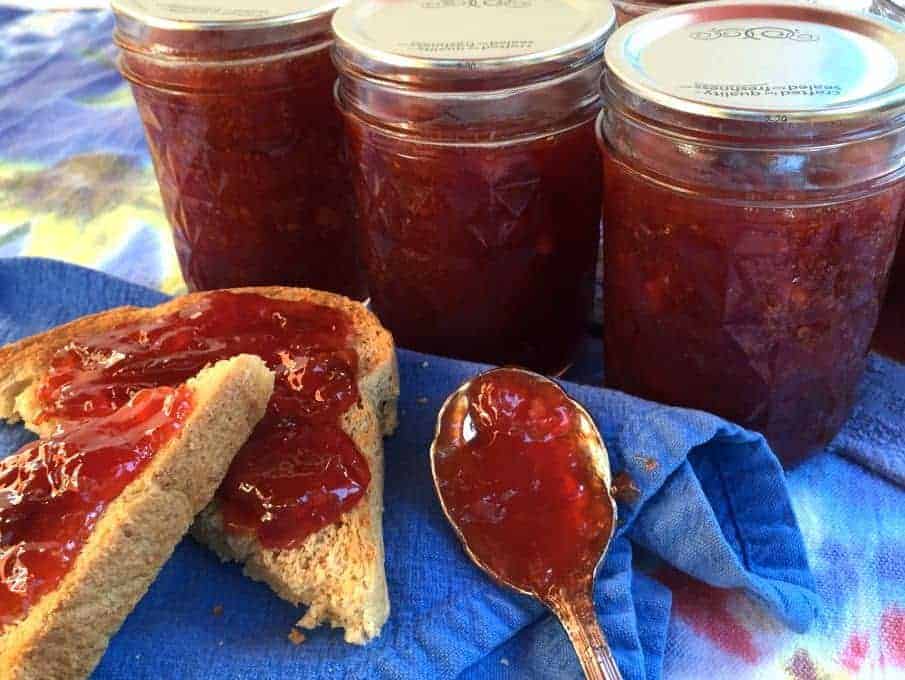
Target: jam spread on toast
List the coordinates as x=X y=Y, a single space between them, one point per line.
x=299 y=471
x=53 y=491
x=514 y=477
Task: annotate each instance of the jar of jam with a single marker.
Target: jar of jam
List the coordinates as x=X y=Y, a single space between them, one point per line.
x=754 y=184
x=236 y=98
x=471 y=131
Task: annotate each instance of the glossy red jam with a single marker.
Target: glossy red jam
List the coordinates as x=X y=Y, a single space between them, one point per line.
x=760 y=314
x=299 y=471
x=514 y=475
x=479 y=252
x=53 y=491
x=249 y=155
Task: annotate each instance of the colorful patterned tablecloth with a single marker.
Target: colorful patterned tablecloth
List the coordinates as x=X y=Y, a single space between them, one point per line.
x=76 y=184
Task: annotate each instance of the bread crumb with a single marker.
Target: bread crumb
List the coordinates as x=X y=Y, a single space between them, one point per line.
x=296 y=636
x=218 y=610
x=504 y=661
x=424 y=364
x=648 y=463
x=421 y=400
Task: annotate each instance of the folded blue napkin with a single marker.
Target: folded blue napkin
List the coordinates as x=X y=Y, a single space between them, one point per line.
x=711 y=502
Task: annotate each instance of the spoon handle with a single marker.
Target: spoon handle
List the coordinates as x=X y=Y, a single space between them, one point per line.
x=575 y=612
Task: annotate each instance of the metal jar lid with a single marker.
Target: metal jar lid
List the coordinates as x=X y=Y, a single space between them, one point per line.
x=470 y=41
x=224 y=26
x=735 y=65
x=895 y=9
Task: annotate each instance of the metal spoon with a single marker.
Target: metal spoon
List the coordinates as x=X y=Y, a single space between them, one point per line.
x=575 y=608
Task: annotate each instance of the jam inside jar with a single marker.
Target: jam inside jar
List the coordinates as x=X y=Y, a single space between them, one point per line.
x=246 y=141
x=749 y=229
x=476 y=173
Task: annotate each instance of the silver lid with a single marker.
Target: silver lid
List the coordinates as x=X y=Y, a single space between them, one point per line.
x=470 y=40
x=897 y=14
x=776 y=62
x=224 y=24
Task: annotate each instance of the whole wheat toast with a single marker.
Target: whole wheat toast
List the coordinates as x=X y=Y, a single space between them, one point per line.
x=66 y=631
x=338 y=572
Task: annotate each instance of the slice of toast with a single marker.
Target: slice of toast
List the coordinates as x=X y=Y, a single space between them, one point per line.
x=338 y=572
x=66 y=631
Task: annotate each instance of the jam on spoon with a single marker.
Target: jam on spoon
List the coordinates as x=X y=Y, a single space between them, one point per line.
x=523 y=476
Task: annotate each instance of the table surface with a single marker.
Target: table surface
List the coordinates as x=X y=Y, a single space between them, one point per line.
x=76 y=184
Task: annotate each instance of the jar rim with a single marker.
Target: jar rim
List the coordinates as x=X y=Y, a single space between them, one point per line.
x=497 y=141
x=479 y=117
x=872 y=158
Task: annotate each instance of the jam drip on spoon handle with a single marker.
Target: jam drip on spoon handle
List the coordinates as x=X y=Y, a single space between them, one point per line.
x=575 y=611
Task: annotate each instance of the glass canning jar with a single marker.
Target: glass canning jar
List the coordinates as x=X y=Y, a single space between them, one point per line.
x=237 y=105
x=471 y=131
x=753 y=200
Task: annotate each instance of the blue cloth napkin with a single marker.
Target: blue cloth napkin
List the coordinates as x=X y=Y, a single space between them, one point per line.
x=711 y=503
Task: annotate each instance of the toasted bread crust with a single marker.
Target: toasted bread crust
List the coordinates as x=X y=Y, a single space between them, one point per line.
x=338 y=572
x=65 y=634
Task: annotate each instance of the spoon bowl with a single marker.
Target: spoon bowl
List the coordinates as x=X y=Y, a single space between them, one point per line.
x=571 y=602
